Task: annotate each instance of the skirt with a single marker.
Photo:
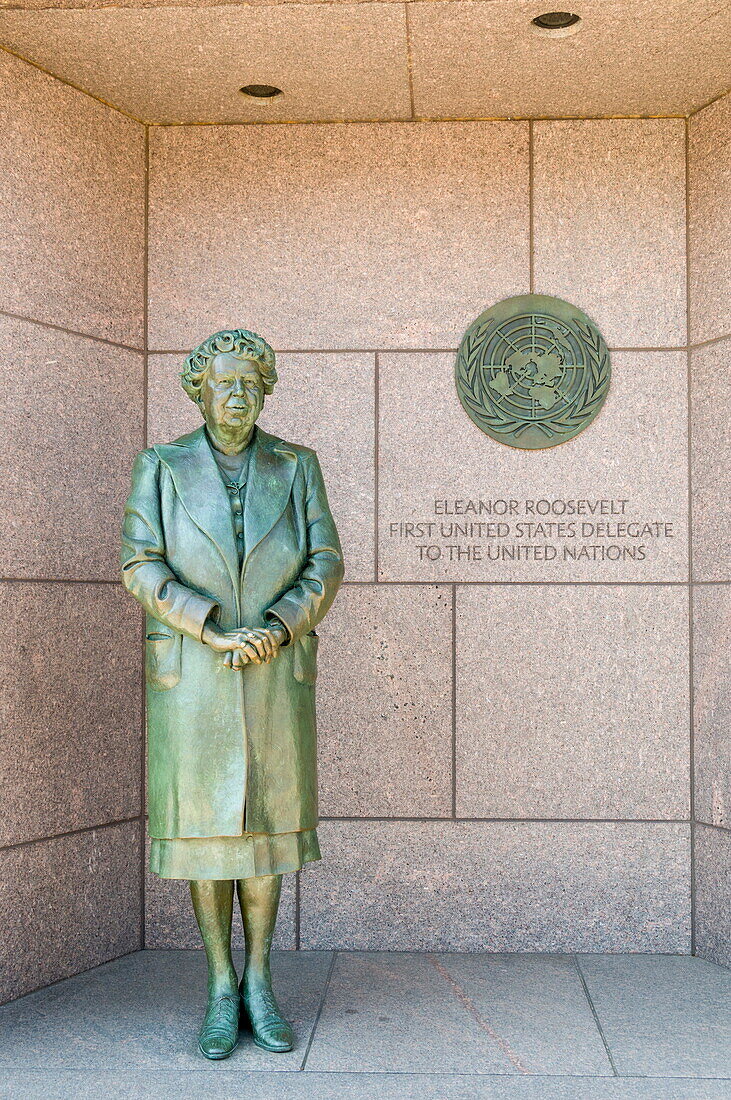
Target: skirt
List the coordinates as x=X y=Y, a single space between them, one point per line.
x=233 y=857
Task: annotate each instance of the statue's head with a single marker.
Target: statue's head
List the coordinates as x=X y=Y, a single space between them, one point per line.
x=227 y=376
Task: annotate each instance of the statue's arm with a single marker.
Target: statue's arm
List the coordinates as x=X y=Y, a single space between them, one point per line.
x=303 y=605
x=145 y=572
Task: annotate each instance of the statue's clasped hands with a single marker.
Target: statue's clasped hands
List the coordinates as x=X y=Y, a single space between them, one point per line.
x=239 y=647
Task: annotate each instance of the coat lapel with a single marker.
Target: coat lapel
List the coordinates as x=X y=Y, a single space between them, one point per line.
x=200 y=487
x=271 y=473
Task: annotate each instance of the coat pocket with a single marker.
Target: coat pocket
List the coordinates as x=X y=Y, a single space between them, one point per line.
x=163 y=658
x=305 y=658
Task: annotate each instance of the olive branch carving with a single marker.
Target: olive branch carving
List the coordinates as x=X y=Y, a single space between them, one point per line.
x=596 y=390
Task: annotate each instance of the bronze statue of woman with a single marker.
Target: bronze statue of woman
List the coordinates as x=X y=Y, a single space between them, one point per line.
x=229 y=545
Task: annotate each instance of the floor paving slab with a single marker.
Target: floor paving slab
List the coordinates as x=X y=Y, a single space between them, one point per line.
x=142 y=1012
x=513 y=1014
x=127 y=1030
x=663 y=1015
x=225 y=1084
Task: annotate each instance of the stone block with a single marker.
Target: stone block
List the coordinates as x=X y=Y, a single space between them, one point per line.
x=71 y=711
x=68 y=904
x=499 y=886
x=709 y=221
x=142 y=1015
x=170 y=1084
x=614 y=66
x=72 y=217
x=186 y=64
x=712 y=703
x=711 y=463
x=73 y=425
x=466 y=1014
x=609 y=225
x=713 y=894
x=325 y=401
x=385 y=702
x=437 y=467
x=361 y=237
x=662 y=1015
x=572 y=701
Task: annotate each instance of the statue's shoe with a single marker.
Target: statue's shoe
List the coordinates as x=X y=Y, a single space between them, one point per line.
x=219 y=1033
x=270 y=1030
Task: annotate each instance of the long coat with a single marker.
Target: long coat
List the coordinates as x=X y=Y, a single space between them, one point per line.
x=230 y=751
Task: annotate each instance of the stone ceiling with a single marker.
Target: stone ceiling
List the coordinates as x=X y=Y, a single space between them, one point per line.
x=343 y=61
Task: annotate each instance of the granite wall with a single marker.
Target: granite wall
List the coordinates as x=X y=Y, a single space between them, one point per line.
x=507 y=759
x=71 y=324
x=505 y=752
x=709 y=226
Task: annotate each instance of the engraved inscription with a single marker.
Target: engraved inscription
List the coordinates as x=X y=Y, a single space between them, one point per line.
x=533 y=530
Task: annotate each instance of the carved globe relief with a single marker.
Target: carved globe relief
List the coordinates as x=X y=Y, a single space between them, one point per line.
x=532 y=371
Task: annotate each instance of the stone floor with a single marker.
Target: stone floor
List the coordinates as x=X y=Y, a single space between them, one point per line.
x=386 y=1026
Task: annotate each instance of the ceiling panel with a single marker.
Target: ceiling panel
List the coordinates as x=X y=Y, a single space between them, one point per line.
x=645 y=57
x=89 y=5
x=348 y=61
x=335 y=61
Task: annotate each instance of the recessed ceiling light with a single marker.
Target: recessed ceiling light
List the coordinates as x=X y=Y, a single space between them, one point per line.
x=556 y=24
x=260 y=91
x=556 y=20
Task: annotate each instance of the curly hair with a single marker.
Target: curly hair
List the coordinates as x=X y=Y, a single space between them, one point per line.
x=238 y=342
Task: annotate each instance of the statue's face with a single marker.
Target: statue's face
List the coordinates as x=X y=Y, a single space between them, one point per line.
x=232 y=394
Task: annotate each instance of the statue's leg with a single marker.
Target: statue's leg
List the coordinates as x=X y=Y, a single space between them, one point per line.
x=259 y=899
x=213 y=905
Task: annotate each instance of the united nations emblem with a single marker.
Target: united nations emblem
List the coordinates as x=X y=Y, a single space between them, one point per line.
x=532 y=372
